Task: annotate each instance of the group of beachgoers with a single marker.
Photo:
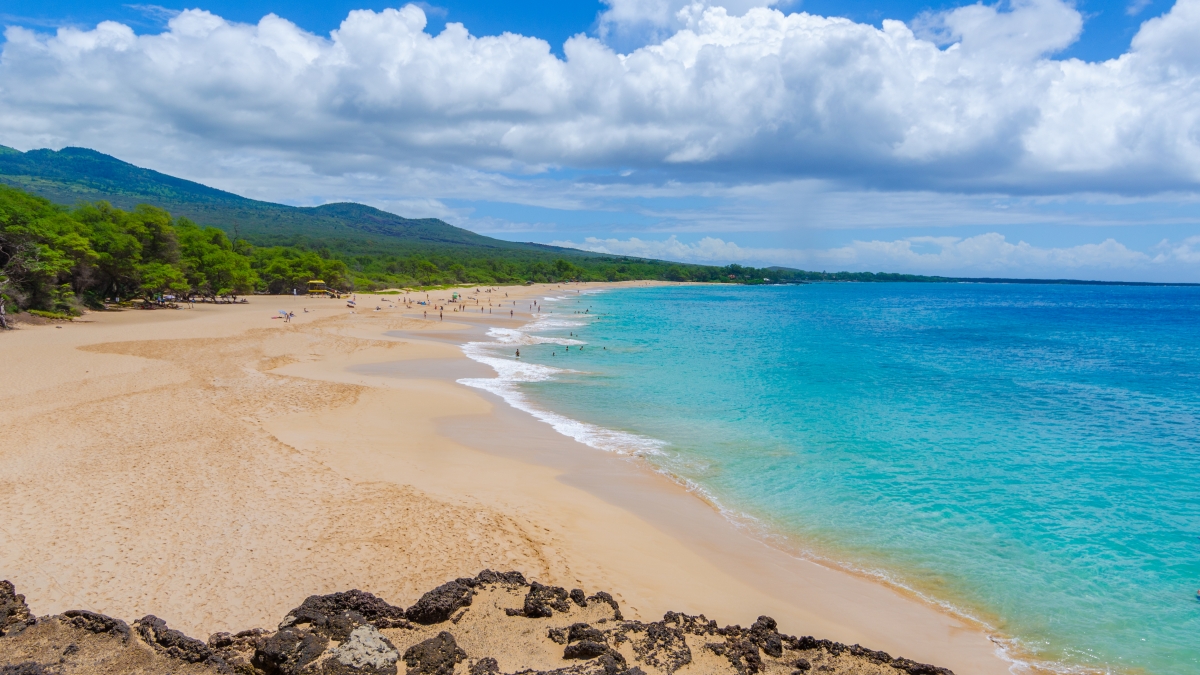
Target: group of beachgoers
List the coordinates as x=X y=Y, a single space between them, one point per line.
x=459 y=304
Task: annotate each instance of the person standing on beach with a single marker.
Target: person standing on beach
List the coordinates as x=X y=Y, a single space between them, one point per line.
x=439 y=315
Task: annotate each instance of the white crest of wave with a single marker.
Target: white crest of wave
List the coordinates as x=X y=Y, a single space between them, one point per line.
x=510 y=373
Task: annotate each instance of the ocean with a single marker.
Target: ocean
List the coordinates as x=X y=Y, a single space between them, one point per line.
x=1025 y=455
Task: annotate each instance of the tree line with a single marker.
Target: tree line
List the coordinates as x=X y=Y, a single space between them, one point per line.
x=60 y=259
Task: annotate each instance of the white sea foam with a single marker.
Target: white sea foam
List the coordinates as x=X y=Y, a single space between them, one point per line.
x=506 y=337
x=544 y=323
x=511 y=373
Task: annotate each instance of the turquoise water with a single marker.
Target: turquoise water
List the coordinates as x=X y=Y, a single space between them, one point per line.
x=1027 y=454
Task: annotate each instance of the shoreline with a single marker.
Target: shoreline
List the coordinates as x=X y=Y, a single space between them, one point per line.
x=675 y=508
x=746 y=525
x=414 y=436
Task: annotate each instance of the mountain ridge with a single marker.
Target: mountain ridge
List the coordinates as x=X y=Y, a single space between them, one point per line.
x=74 y=174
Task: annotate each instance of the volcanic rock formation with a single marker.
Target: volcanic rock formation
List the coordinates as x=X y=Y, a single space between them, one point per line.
x=493 y=624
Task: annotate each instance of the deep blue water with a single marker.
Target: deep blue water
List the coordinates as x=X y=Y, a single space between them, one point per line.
x=1027 y=454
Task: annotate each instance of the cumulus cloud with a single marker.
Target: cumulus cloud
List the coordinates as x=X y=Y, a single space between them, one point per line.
x=988 y=254
x=1186 y=251
x=728 y=97
x=634 y=23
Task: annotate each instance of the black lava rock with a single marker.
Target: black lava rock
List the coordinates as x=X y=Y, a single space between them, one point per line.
x=288 y=651
x=543 y=601
x=435 y=656
x=358 y=606
x=663 y=646
x=506 y=578
x=171 y=642
x=582 y=631
x=585 y=649
x=578 y=597
x=439 y=604
x=96 y=623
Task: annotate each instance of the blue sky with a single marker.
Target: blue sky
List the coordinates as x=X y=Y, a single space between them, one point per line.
x=940 y=138
x=1108 y=27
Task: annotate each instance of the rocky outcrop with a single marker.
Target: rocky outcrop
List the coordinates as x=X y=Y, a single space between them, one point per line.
x=442 y=602
x=436 y=656
x=172 y=643
x=336 y=615
x=542 y=601
x=97 y=624
x=14 y=613
x=237 y=649
x=288 y=652
x=492 y=624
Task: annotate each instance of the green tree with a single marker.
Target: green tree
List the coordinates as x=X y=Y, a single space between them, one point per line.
x=157 y=277
x=41 y=249
x=208 y=259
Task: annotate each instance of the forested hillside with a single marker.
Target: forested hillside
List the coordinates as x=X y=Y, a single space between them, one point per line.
x=74 y=175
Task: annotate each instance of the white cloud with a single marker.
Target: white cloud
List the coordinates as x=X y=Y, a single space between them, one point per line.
x=728 y=99
x=988 y=254
x=708 y=250
x=634 y=23
x=1186 y=251
x=1136 y=6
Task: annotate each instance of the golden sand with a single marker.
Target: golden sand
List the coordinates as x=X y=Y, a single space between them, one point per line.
x=215 y=466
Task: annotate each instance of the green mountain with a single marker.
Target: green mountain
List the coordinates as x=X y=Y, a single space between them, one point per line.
x=74 y=175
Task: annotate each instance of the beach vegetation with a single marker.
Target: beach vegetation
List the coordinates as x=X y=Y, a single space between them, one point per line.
x=57 y=316
x=59 y=260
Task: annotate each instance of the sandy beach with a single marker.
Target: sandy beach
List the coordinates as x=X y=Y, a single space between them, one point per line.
x=215 y=466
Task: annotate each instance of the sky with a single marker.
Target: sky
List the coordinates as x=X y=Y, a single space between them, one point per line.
x=1027 y=138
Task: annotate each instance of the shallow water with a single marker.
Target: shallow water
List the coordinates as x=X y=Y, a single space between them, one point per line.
x=1029 y=455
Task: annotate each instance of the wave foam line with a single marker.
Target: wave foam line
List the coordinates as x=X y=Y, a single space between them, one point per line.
x=510 y=373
